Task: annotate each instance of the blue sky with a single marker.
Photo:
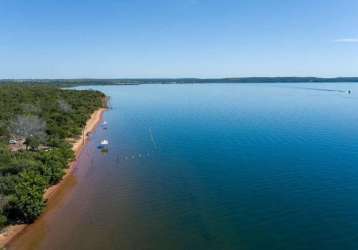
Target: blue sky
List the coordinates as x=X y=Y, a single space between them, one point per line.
x=178 y=38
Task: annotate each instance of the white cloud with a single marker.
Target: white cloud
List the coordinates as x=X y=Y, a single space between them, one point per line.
x=347 y=40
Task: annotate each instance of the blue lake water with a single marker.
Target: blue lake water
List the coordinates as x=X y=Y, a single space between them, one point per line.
x=215 y=166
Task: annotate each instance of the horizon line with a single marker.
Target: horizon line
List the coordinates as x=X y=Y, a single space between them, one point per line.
x=171 y=78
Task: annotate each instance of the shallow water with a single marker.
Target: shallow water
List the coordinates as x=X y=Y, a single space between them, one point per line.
x=217 y=166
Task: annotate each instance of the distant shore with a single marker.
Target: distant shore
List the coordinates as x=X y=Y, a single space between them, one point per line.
x=138 y=81
x=10 y=232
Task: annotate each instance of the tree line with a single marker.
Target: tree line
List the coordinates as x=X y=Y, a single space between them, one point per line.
x=134 y=81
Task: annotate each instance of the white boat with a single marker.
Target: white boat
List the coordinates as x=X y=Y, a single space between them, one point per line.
x=104 y=125
x=103 y=144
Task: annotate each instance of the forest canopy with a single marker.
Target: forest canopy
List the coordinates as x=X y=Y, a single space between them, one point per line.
x=35 y=123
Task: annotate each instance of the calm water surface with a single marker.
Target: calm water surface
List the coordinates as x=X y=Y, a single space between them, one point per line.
x=214 y=167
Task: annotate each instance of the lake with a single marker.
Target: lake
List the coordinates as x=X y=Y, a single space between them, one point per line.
x=213 y=166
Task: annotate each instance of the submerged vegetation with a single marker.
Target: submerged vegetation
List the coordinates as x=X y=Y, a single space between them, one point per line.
x=35 y=123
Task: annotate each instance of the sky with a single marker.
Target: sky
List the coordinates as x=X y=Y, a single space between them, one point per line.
x=177 y=38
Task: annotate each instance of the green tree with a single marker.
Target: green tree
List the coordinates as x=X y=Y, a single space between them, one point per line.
x=32 y=142
x=27 y=202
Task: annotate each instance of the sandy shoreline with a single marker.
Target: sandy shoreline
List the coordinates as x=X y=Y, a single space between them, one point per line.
x=10 y=232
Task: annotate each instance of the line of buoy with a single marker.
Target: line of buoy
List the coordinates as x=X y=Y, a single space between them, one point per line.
x=133 y=157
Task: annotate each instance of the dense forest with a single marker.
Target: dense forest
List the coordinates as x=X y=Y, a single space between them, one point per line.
x=136 y=81
x=35 y=124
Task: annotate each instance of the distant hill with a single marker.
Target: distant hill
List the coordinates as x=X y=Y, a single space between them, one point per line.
x=131 y=81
